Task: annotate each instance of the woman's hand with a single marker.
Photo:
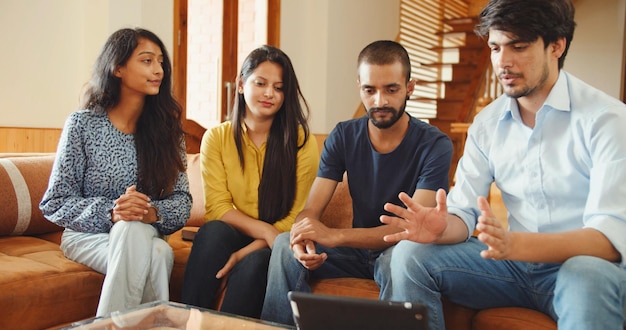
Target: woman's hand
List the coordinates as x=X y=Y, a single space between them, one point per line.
x=240 y=254
x=232 y=261
x=132 y=206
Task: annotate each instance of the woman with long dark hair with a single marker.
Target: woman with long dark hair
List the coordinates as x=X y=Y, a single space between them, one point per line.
x=257 y=169
x=118 y=183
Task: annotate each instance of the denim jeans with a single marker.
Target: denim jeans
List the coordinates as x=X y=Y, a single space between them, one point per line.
x=582 y=293
x=287 y=274
x=136 y=261
x=245 y=287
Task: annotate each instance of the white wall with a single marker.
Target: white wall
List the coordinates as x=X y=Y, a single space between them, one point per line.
x=48 y=48
x=597 y=51
x=323 y=39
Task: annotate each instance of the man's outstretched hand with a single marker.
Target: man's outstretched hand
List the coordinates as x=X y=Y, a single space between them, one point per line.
x=420 y=224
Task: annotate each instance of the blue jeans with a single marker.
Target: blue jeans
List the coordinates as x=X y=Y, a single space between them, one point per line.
x=287 y=274
x=582 y=293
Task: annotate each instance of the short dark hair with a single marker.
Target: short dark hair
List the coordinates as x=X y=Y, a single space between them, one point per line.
x=530 y=19
x=386 y=52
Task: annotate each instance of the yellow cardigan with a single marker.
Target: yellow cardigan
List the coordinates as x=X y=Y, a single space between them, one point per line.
x=226 y=187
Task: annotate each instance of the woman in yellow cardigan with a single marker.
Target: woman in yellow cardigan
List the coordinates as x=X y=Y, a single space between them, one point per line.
x=257 y=169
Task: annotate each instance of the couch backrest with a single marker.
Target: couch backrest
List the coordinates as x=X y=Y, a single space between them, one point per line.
x=194 y=174
x=338 y=213
x=23 y=181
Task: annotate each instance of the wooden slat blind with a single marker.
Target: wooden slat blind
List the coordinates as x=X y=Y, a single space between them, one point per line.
x=421 y=24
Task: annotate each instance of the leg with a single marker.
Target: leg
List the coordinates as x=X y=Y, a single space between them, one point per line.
x=245 y=289
x=88 y=249
x=128 y=267
x=287 y=274
x=212 y=246
x=424 y=273
x=158 y=282
x=590 y=293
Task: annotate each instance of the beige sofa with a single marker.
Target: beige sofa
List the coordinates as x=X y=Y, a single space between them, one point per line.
x=40 y=288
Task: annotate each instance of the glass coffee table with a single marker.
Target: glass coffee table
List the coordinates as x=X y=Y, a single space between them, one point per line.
x=162 y=315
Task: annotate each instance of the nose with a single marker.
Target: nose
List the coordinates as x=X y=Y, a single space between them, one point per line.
x=158 y=68
x=380 y=99
x=269 y=92
x=502 y=59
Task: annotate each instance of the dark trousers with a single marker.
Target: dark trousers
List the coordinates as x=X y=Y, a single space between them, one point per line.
x=245 y=287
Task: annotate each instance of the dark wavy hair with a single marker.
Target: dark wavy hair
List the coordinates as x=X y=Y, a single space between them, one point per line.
x=384 y=52
x=530 y=19
x=159 y=136
x=277 y=188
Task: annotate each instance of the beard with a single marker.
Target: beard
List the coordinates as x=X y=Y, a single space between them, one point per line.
x=396 y=115
x=526 y=90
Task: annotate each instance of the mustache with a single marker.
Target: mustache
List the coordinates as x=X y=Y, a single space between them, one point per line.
x=381 y=109
x=509 y=74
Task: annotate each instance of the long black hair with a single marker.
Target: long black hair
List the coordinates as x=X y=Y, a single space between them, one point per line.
x=159 y=136
x=277 y=188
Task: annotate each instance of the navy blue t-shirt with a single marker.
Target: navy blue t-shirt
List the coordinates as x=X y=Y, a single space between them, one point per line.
x=421 y=161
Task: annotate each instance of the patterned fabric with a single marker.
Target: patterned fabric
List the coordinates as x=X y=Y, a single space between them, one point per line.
x=94 y=165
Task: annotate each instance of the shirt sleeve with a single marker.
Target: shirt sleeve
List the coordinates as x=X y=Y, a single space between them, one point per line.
x=63 y=202
x=308 y=160
x=174 y=210
x=472 y=179
x=605 y=209
x=217 y=198
x=332 y=162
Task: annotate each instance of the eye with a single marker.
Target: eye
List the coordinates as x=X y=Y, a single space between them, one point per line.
x=494 y=49
x=520 y=47
x=278 y=88
x=368 y=90
x=392 y=90
x=258 y=83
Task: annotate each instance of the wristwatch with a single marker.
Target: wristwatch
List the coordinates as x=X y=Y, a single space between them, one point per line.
x=158 y=214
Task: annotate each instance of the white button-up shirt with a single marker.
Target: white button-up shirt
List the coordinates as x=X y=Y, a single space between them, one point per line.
x=568 y=172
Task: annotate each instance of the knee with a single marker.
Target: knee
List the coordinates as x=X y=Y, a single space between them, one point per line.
x=585 y=273
x=256 y=262
x=132 y=230
x=213 y=231
x=161 y=250
x=281 y=250
x=281 y=243
x=408 y=252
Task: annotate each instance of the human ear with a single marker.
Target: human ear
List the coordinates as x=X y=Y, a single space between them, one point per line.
x=118 y=72
x=239 y=86
x=558 y=47
x=410 y=87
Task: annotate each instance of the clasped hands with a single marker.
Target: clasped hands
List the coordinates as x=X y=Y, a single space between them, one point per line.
x=304 y=235
x=432 y=225
x=132 y=206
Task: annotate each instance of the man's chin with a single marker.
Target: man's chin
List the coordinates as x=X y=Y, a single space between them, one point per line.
x=382 y=124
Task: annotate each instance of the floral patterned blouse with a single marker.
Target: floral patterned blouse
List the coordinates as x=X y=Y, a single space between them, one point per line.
x=94 y=165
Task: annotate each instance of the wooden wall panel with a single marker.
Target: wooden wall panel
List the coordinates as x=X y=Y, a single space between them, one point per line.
x=24 y=139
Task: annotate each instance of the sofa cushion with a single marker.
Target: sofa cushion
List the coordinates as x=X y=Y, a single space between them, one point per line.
x=512 y=318
x=35 y=279
x=23 y=181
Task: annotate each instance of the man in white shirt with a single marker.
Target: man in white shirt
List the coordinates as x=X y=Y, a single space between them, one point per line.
x=556 y=148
